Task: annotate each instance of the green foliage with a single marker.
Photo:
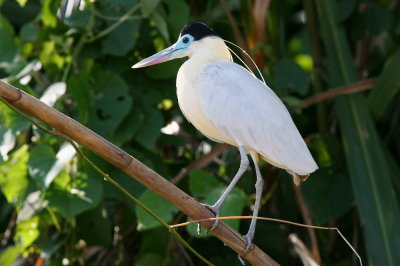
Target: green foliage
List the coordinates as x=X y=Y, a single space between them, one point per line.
x=158 y=205
x=291 y=76
x=41 y=159
x=54 y=206
x=111 y=105
x=386 y=87
x=321 y=196
x=14 y=176
x=71 y=196
x=8 y=47
x=368 y=168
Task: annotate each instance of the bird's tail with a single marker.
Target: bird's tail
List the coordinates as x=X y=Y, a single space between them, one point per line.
x=299 y=178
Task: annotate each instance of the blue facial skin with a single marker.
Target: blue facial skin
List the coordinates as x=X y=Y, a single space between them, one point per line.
x=181 y=45
x=172 y=52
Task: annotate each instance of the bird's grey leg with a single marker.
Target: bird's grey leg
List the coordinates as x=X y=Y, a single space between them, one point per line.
x=259 y=188
x=216 y=208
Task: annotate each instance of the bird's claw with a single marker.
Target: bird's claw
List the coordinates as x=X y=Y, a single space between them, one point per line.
x=247 y=249
x=214 y=210
x=249 y=243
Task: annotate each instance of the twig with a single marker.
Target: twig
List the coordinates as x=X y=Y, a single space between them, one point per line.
x=236 y=32
x=238 y=36
x=301 y=249
x=305 y=212
x=272 y=220
x=10 y=227
x=363 y=47
x=131 y=166
x=200 y=162
x=348 y=89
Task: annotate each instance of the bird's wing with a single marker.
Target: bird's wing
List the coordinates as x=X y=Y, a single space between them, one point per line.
x=249 y=112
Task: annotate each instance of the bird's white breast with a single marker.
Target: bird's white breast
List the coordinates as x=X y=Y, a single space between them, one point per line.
x=188 y=84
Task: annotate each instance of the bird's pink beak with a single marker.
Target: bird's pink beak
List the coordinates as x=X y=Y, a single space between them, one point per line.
x=167 y=54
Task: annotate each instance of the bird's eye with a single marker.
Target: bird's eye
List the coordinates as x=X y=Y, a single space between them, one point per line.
x=185 y=40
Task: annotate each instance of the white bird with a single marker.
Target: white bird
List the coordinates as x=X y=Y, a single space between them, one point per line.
x=227 y=103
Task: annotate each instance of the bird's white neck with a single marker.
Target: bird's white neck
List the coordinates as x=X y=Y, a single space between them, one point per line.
x=208 y=50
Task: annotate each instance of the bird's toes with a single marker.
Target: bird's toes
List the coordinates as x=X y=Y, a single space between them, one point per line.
x=249 y=244
x=247 y=249
x=214 y=210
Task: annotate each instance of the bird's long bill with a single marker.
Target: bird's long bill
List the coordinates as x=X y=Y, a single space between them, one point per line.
x=163 y=56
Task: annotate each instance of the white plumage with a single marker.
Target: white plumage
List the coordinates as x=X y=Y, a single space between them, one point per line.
x=227 y=103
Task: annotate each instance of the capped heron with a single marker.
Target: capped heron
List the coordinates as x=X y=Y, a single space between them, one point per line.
x=227 y=103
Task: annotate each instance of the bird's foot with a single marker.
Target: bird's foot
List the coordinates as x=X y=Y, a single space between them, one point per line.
x=214 y=209
x=247 y=249
x=249 y=243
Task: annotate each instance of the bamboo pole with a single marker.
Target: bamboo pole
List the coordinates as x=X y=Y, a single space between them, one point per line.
x=132 y=167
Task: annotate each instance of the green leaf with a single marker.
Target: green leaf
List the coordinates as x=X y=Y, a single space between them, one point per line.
x=8 y=48
x=148 y=6
x=158 y=205
x=14 y=179
x=372 y=188
x=178 y=15
x=44 y=166
x=70 y=197
x=232 y=206
x=157 y=235
x=27 y=232
x=371 y=22
x=386 y=87
x=78 y=18
x=49 y=12
x=201 y=183
x=345 y=9
x=29 y=32
x=165 y=70
x=49 y=57
x=9 y=256
x=22 y=2
x=112 y=105
x=40 y=161
x=131 y=185
x=150 y=259
x=130 y=126
x=161 y=25
x=80 y=90
x=13 y=121
x=95 y=227
x=150 y=130
x=122 y=39
x=290 y=75
x=321 y=195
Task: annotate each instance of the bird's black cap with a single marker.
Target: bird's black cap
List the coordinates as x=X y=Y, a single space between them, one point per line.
x=198 y=30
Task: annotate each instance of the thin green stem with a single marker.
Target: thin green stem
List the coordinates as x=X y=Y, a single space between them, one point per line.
x=54 y=218
x=109 y=179
x=75 y=53
x=81 y=42
x=121 y=20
